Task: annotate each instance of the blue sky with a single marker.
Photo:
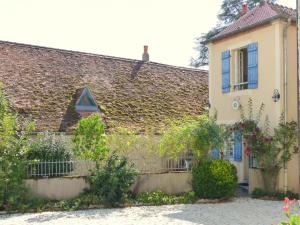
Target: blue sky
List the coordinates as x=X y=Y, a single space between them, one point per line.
x=113 y=27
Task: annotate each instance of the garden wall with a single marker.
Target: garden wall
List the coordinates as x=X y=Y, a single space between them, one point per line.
x=70 y=187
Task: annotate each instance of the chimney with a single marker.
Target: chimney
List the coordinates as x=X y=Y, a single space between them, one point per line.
x=145 y=54
x=245 y=8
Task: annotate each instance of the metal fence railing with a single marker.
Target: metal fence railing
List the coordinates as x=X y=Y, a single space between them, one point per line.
x=59 y=168
x=83 y=167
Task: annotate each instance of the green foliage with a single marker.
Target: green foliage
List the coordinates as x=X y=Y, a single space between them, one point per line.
x=112 y=182
x=291 y=212
x=14 y=143
x=272 y=151
x=198 y=135
x=49 y=147
x=230 y=11
x=279 y=195
x=161 y=198
x=214 y=179
x=125 y=140
x=90 y=138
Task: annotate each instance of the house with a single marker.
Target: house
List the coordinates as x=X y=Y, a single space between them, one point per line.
x=55 y=88
x=256 y=57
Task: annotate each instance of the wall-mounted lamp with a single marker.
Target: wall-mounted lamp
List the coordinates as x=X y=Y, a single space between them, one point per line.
x=276 y=95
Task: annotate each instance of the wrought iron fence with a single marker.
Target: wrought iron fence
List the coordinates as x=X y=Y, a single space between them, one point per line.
x=59 y=168
x=83 y=167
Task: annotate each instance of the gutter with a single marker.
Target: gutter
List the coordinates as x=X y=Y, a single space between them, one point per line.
x=285 y=46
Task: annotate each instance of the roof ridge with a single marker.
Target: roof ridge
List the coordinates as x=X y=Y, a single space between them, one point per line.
x=98 y=55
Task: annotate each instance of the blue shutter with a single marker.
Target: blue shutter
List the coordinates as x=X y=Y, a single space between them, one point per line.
x=225 y=71
x=252 y=66
x=237 y=155
x=215 y=154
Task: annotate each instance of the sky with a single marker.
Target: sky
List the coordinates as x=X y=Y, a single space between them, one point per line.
x=113 y=27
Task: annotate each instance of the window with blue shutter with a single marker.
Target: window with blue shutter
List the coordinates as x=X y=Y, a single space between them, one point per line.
x=252 y=66
x=225 y=71
x=238 y=146
x=215 y=154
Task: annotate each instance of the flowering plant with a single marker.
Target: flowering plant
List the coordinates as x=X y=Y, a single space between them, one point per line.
x=293 y=217
x=272 y=149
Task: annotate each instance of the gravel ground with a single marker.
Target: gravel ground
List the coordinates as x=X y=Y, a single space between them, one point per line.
x=241 y=211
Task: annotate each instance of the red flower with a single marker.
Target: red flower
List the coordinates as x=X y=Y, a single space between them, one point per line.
x=248 y=150
x=286 y=208
x=286 y=200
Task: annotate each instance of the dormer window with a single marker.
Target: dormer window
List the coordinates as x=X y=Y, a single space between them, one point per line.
x=86 y=102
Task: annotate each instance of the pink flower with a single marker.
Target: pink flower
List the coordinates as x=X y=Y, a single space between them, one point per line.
x=286 y=208
x=248 y=150
x=286 y=200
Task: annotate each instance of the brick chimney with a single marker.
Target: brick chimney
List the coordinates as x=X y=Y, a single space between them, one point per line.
x=245 y=8
x=145 y=54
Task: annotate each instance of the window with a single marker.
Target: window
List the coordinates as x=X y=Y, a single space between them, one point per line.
x=86 y=102
x=229 y=148
x=241 y=81
x=253 y=161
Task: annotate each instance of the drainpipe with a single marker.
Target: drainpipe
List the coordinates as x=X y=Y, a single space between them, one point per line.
x=285 y=46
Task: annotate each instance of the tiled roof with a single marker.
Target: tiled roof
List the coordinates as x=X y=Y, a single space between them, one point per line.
x=261 y=14
x=44 y=84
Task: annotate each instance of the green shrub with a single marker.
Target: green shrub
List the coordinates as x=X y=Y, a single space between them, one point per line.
x=161 y=198
x=258 y=193
x=279 y=195
x=199 y=135
x=14 y=141
x=112 y=182
x=156 y=198
x=48 y=147
x=214 y=179
x=90 y=139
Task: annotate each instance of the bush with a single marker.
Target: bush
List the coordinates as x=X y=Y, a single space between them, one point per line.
x=90 y=139
x=112 y=182
x=14 y=141
x=49 y=148
x=198 y=135
x=279 y=195
x=161 y=198
x=214 y=179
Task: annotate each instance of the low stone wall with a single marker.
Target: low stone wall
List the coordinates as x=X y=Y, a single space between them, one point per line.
x=57 y=188
x=70 y=187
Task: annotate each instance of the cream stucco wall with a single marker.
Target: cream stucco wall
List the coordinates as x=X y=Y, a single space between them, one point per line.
x=270 y=76
x=69 y=187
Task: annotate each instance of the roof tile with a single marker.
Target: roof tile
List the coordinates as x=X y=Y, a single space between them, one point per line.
x=261 y=13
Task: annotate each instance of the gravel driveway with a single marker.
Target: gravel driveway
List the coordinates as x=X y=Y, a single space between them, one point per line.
x=242 y=211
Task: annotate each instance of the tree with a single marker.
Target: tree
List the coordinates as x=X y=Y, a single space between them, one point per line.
x=198 y=135
x=90 y=138
x=230 y=11
x=14 y=143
